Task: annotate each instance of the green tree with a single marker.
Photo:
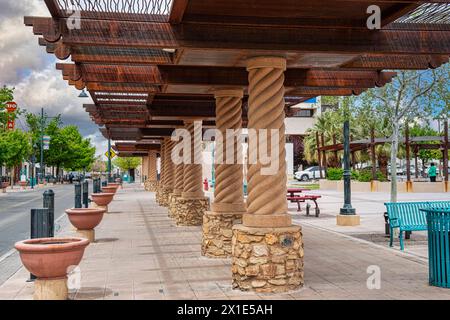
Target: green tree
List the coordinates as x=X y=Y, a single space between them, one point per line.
x=68 y=149
x=14 y=149
x=78 y=154
x=6 y=95
x=127 y=163
x=406 y=97
x=51 y=128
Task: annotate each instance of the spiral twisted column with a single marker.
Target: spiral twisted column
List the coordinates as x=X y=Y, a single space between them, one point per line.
x=179 y=178
x=266 y=229
x=163 y=161
x=228 y=193
x=152 y=177
x=144 y=168
x=170 y=178
x=160 y=187
x=266 y=203
x=193 y=170
x=152 y=174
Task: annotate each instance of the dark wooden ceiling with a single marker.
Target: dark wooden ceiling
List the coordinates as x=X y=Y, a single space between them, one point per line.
x=150 y=67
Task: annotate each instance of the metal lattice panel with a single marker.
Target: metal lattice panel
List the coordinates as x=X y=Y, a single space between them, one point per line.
x=154 y=7
x=436 y=13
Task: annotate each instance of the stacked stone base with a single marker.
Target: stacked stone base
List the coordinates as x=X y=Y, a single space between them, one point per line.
x=153 y=186
x=267 y=259
x=189 y=212
x=158 y=194
x=164 y=197
x=150 y=185
x=173 y=204
x=218 y=232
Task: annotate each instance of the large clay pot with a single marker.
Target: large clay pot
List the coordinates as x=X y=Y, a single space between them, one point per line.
x=49 y=258
x=109 y=189
x=102 y=199
x=85 y=218
x=112 y=184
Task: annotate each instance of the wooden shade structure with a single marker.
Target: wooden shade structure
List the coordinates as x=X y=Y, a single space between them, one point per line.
x=151 y=65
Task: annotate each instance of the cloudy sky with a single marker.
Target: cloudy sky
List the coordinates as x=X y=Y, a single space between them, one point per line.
x=26 y=66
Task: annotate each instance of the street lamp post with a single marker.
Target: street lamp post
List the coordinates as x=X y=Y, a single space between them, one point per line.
x=347 y=209
x=347 y=215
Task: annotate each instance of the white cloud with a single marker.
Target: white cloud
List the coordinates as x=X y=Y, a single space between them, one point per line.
x=26 y=66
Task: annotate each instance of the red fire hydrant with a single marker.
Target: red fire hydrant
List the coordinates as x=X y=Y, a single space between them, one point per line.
x=205 y=184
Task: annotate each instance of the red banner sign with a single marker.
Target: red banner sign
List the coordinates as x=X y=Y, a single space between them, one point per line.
x=11 y=107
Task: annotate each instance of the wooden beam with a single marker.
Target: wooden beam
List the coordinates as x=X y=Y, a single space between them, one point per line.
x=233 y=37
x=222 y=76
x=398 y=62
x=177 y=11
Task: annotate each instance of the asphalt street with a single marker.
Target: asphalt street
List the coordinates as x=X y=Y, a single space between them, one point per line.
x=15 y=220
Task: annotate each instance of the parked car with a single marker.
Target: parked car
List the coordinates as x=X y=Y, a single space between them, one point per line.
x=309 y=174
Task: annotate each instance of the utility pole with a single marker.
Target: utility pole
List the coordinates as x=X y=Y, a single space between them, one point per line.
x=42 y=145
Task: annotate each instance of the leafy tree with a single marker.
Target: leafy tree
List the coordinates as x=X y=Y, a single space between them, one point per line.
x=78 y=154
x=51 y=127
x=68 y=150
x=406 y=97
x=14 y=149
x=127 y=163
x=6 y=95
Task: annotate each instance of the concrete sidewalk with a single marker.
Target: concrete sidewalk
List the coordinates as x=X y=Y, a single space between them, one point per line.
x=141 y=254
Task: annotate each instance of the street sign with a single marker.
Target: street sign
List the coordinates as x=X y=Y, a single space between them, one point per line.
x=11 y=107
x=46 y=142
x=113 y=154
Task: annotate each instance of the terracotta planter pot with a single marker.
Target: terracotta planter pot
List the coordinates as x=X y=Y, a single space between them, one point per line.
x=49 y=258
x=116 y=185
x=85 y=218
x=109 y=189
x=102 y=199
x=23 y=183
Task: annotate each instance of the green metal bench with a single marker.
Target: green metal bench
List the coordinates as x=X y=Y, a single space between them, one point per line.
x=406 y=216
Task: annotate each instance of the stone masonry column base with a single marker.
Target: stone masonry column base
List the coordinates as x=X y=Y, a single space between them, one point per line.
x=189 y=212
x=152 y=185
x=87 y=234
x=172 y=204
x=267 y=259
x=165 y=192
x=50 y=289
x=158 y=194
x=217 y=232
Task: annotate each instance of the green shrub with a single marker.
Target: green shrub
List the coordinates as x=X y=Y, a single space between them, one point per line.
x=365 y=175
x=334 y=173
x=338 y=174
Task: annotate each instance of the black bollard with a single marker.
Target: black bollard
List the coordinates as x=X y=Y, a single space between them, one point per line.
x=49 y=203
x=42 y=226
x=86 y=193
x=78 y=195
x=386 y=224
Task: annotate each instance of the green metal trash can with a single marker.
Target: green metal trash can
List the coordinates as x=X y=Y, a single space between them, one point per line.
x=438 y=220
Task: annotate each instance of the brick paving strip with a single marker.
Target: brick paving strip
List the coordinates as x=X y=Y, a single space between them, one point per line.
x=141 y=254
